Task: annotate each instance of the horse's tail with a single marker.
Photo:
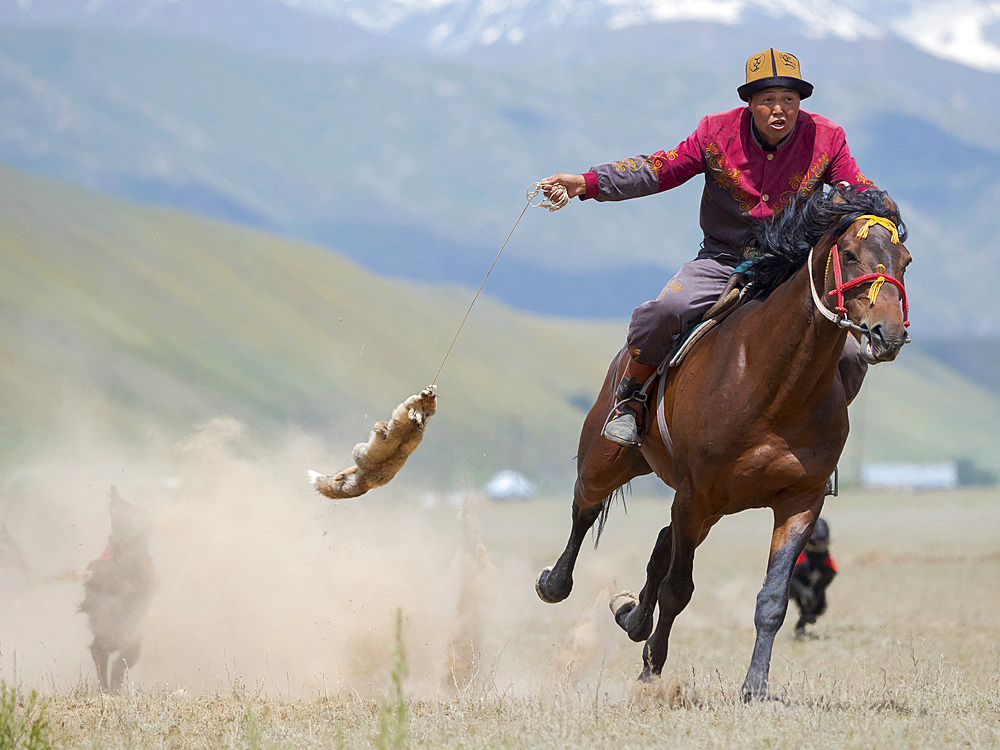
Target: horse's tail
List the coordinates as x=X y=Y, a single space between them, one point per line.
x=606 y=509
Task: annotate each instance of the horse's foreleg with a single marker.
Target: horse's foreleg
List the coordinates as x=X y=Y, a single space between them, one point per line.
x=672 y=596
x=602 y=467
x=636 y=619
x=791 y=532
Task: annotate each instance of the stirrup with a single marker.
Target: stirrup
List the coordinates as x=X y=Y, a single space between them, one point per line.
x=622 y=426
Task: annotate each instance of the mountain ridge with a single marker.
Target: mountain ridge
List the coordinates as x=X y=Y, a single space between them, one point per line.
x=417 y=167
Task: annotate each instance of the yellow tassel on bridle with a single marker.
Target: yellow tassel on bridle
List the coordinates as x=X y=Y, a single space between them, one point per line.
x=876 y=286
x=872 y=221
x=878 y=278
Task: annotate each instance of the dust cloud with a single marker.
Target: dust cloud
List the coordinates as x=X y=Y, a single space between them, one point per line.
x=264 y=585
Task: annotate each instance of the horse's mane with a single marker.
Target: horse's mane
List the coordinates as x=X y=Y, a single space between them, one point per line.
x=781 y=244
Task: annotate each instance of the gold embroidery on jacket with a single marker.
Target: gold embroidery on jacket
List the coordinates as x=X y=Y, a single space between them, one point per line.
x=653 y=163
x=804 y=184
x=815 y=175
x=725 y=176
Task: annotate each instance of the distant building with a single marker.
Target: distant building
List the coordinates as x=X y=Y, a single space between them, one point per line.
x=912 y=476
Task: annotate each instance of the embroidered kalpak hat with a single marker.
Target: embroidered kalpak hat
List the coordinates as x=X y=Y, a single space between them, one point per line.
x=773 y=68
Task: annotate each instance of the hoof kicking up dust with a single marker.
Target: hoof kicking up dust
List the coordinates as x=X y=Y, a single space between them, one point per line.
x=387 y=449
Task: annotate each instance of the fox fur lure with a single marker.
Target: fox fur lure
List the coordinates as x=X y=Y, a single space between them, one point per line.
x=389 y=445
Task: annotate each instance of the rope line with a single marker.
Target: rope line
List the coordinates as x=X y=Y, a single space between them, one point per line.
x=531 y=193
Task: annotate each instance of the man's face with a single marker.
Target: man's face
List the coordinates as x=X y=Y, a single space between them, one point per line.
x=774 y=112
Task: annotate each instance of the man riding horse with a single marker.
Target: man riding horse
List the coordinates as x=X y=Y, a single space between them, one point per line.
x=755 y=416
x=756 y=160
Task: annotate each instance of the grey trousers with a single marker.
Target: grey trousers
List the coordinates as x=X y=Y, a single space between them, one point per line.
x=657 y=324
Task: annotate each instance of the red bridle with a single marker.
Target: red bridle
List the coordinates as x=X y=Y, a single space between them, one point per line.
x=878 y=278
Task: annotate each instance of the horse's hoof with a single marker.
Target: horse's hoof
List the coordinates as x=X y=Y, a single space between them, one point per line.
x=621 y=604
x=757 y=691
x=544 y=591
x=623 y=607
x=751 y=697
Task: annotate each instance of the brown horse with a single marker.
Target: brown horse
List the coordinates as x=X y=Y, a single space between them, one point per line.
x=756 y=414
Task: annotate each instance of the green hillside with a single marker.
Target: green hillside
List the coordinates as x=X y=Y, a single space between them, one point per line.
x=148 y=320
x=138 y=323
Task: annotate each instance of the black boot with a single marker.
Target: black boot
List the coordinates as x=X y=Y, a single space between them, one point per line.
x=622 y=427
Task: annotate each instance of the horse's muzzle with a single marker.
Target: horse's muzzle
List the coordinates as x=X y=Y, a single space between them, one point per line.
x=881 y=343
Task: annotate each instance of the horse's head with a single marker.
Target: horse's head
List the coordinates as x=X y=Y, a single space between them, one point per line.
x=864 y=279
x=857 y=239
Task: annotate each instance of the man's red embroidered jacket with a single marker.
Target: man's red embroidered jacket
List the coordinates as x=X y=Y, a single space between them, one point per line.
x=743 y=181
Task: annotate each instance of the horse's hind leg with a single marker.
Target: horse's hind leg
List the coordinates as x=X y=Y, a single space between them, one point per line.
x=791 y=532
x=554 y=584
x=599 y=477
x=602 y=467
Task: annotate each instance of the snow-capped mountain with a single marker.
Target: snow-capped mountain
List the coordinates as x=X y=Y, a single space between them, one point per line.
x=962 y=31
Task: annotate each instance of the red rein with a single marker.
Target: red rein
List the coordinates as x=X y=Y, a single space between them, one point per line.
x=841 y=287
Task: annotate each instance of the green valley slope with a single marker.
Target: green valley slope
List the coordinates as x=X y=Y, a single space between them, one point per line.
x=151 y=321
x=139 y=323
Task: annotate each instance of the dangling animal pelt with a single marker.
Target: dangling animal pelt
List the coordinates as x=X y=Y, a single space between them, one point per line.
x=387 y=449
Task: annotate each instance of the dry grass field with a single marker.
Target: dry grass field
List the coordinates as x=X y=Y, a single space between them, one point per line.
x=275 y=623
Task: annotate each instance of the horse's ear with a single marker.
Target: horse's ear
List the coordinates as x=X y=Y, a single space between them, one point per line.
x=890 y=204
x=838 y=194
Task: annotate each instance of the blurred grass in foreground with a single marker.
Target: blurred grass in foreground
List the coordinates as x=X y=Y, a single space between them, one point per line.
x=908 y=654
